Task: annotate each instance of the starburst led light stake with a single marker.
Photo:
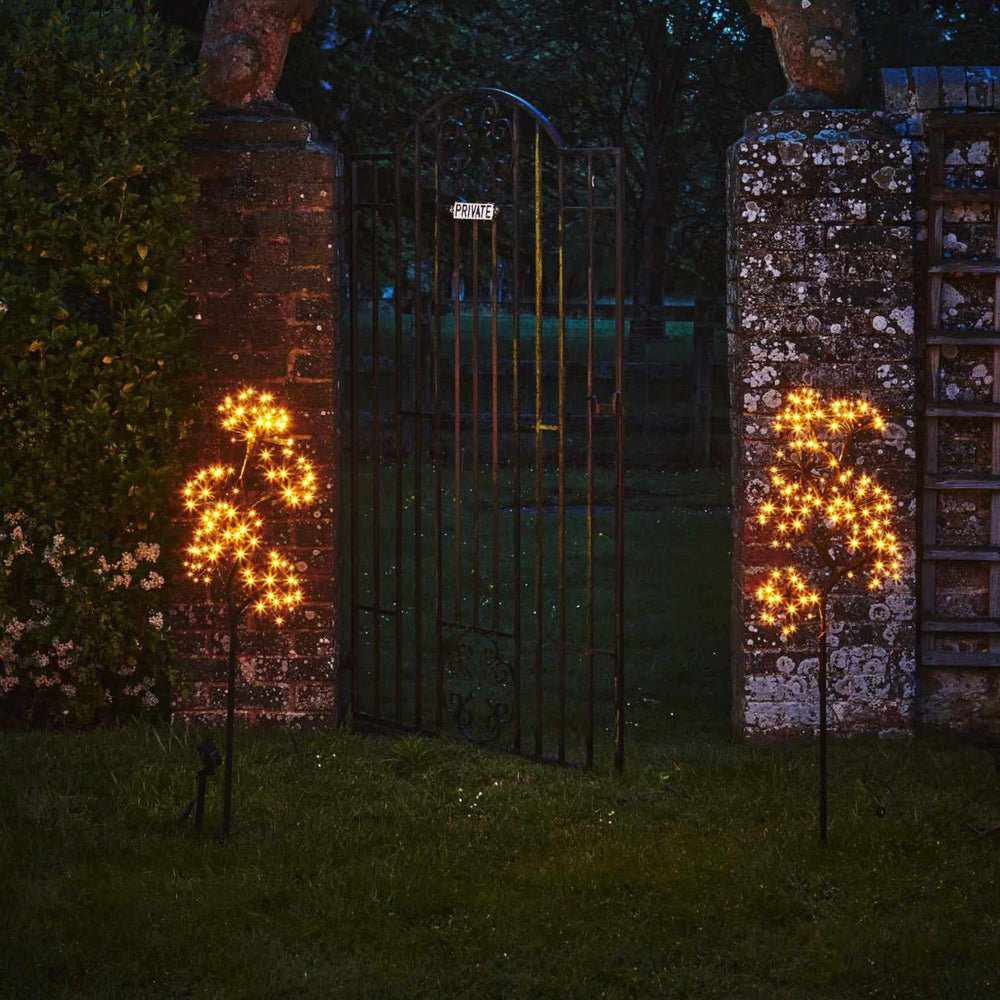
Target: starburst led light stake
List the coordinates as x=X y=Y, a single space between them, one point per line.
x=821 y=505
x=227 y=552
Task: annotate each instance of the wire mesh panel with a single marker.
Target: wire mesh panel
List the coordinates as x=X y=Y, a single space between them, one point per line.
x=486 y=433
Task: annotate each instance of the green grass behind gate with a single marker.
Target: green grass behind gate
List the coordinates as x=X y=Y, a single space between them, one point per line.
x=676 y=597
x=657 y=378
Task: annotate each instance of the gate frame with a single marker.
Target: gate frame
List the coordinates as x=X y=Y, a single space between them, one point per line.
x=615 y=408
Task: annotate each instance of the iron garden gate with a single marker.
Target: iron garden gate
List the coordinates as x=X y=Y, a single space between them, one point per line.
x=485 y=465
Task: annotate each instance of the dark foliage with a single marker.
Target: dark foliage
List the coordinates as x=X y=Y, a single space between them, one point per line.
x=97 y=103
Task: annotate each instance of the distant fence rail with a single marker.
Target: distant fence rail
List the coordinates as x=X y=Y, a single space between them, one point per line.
x=675 y=379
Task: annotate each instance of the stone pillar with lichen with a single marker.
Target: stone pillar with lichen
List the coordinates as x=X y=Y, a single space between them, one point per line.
x=821 y=293
x=260 y=275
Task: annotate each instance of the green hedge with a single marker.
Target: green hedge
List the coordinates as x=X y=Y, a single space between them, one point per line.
x=95 y=105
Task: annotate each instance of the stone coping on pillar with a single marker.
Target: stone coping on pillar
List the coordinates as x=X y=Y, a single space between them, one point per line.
x=913 y=89
x=822 y=124
x=246 y=128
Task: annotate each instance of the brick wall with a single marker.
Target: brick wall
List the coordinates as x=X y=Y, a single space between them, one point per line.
x=261 y=277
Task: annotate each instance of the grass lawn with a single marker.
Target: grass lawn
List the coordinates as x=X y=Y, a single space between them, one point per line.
x=363 y=867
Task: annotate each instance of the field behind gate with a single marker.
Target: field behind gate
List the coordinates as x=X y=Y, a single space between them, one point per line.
x=659 y=377
x=677 y=571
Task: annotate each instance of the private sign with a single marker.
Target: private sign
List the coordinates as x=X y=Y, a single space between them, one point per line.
x=474 y=210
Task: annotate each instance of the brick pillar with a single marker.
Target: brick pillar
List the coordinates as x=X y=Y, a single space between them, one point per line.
x=821 y=293
x=261 y=279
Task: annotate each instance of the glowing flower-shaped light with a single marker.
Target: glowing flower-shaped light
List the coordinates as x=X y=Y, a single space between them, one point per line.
x=818 y=501
x=786 y=600
x=226 y=548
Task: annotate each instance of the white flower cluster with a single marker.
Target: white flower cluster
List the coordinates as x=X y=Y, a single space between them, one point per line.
x=121 y=572
x=53 y=555
x=12 y=529
x=46 y=667
x=142 y=690
x=30 y=655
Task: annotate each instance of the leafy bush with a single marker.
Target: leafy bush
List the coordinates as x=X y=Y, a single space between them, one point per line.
x=95 y=105
x=65 y=613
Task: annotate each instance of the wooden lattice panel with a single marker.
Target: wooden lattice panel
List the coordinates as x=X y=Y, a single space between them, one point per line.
x=974 y=639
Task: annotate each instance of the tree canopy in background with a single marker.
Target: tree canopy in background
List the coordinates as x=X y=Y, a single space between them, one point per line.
x=669 y=80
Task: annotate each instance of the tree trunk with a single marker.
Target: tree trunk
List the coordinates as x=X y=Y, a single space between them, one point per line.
x=667 y=68
x=650 y=265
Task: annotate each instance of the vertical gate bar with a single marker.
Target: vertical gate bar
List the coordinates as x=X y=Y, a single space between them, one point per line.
x=619 y=466
x=591 y=402
x=539 y=483
x=495 y=427
x=515 y=141
x=456 y=277
x=418 y=440
x=398 y=391
x=562 y=465
x=353 y=405
x=437 y=446
x=475 y=425
x=376 y=459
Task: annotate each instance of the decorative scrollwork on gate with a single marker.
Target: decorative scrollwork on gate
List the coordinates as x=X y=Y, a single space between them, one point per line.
x=495 y=128
x=455 y=140
x=478 y=687
x=475 y=150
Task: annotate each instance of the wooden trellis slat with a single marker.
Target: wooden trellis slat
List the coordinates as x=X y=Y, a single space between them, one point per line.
x=960 y=625
x=939 y=196
x=950 y=482
x=959 y=339
x=963 y=553
x=963 y=266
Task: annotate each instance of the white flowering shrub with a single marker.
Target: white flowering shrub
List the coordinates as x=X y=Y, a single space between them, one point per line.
x=81 y=631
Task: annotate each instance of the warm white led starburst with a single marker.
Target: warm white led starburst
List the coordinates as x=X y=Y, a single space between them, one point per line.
x=817 y=500
x=227 y=546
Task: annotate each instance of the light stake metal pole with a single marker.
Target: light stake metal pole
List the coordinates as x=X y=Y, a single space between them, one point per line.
x=842 y=523
x=210 y=760
x=822 y=721
x=229 y=533
x=233 y=613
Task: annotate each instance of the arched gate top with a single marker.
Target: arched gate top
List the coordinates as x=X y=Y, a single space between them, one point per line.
x=501 y=95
